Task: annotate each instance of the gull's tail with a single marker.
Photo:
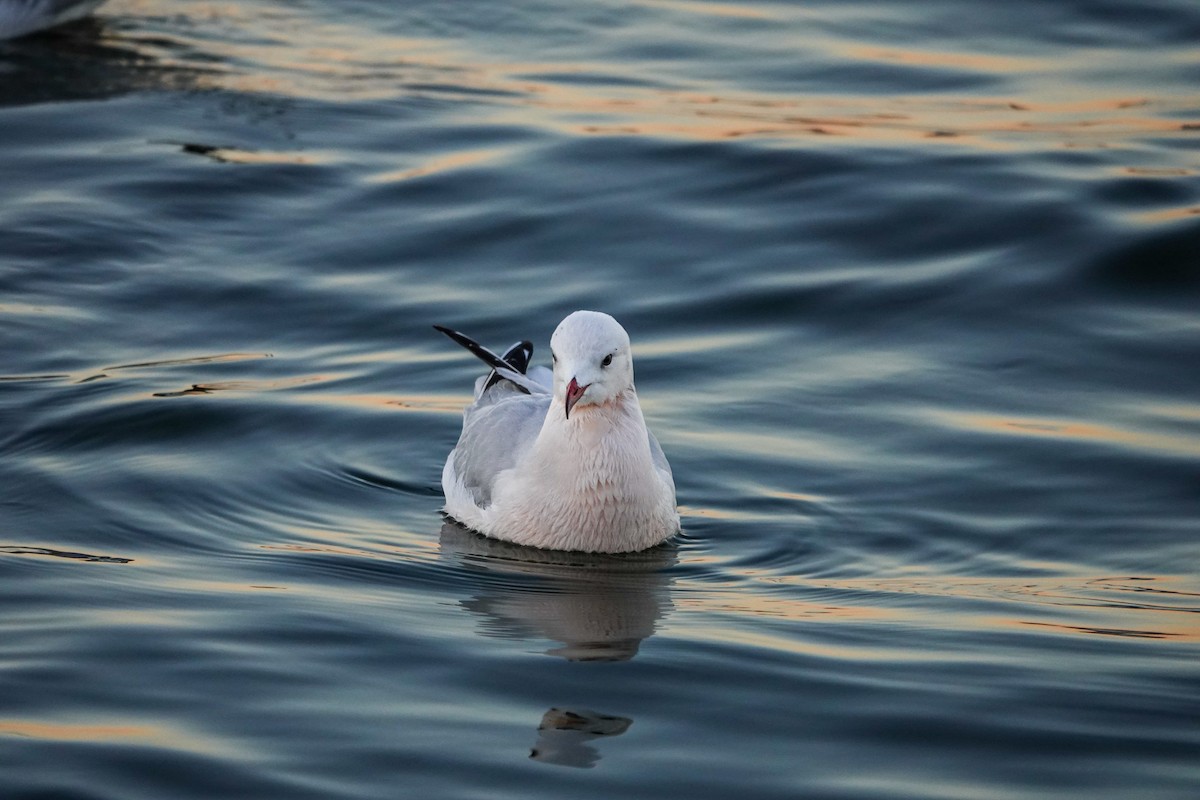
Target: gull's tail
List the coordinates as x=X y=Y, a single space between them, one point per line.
x=515 y=360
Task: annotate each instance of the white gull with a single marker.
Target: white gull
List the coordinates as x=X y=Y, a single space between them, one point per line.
x=19 y=17
x=561 y=460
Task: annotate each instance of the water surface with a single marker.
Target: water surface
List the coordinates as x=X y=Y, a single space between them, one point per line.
x=913 y=291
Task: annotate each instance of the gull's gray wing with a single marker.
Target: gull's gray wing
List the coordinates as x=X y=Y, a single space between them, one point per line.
x=660 y=461
x=498 y=429
x=502 y=423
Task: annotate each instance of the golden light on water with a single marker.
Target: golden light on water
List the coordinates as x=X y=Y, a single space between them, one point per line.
x=1177 y=443
x=1159 y=608
x=1168 y=215
x=710 y=9
x=294 y=59
x=78 y=732
x=976 y=62
x=114 y=733
x=437 y=164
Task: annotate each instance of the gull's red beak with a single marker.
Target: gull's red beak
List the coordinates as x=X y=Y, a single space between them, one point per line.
x=574 y=392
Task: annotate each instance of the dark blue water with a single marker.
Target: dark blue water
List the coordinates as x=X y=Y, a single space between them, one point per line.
x=914 y=290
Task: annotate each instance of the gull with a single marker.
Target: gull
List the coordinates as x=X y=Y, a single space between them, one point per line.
x=561 y=459
x=19 y=17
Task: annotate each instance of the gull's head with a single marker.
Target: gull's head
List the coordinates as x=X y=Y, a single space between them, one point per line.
x=592 y=360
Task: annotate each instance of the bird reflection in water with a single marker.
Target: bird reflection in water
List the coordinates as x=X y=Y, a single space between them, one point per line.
x=563 y=736
x=596 y=606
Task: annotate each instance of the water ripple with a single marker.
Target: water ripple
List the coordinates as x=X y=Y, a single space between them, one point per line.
x=912 y=289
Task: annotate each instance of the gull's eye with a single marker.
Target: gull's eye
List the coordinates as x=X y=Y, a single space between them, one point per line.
x=553 y=357
x=607 y=360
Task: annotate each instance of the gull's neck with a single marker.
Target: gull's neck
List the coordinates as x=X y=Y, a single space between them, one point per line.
x=589 y=482
x=594 y=419
x=605 y=449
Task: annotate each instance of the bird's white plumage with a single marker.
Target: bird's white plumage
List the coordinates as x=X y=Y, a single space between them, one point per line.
x=595 y=480
x=20 y=17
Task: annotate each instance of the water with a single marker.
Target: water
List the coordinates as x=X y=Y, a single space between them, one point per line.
x=913 y=290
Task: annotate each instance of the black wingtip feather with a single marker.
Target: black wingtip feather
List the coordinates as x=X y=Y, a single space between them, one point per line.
x=516 y=359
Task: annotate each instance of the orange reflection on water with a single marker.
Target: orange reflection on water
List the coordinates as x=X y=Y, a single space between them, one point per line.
x=1125 y=622
x=708 y=9
x=927 y=58
x=1075 y=430
x=274 y=50
x=244 y=386
x=987 y=122
x=234 y=155
x=1188 y=412
x=700 y=344
x=1168 y=214
x=415 y=546
x=77 y=733
x=158 y=736
x=799 y=497
x=1134 y=608
x=276 y=54
x=1190 y=634
x=709 y=513
x=438 y=164
x=1159 y=607
x=416 y=403
x=279 y=54
x=1145 y=608
x=757 y=604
